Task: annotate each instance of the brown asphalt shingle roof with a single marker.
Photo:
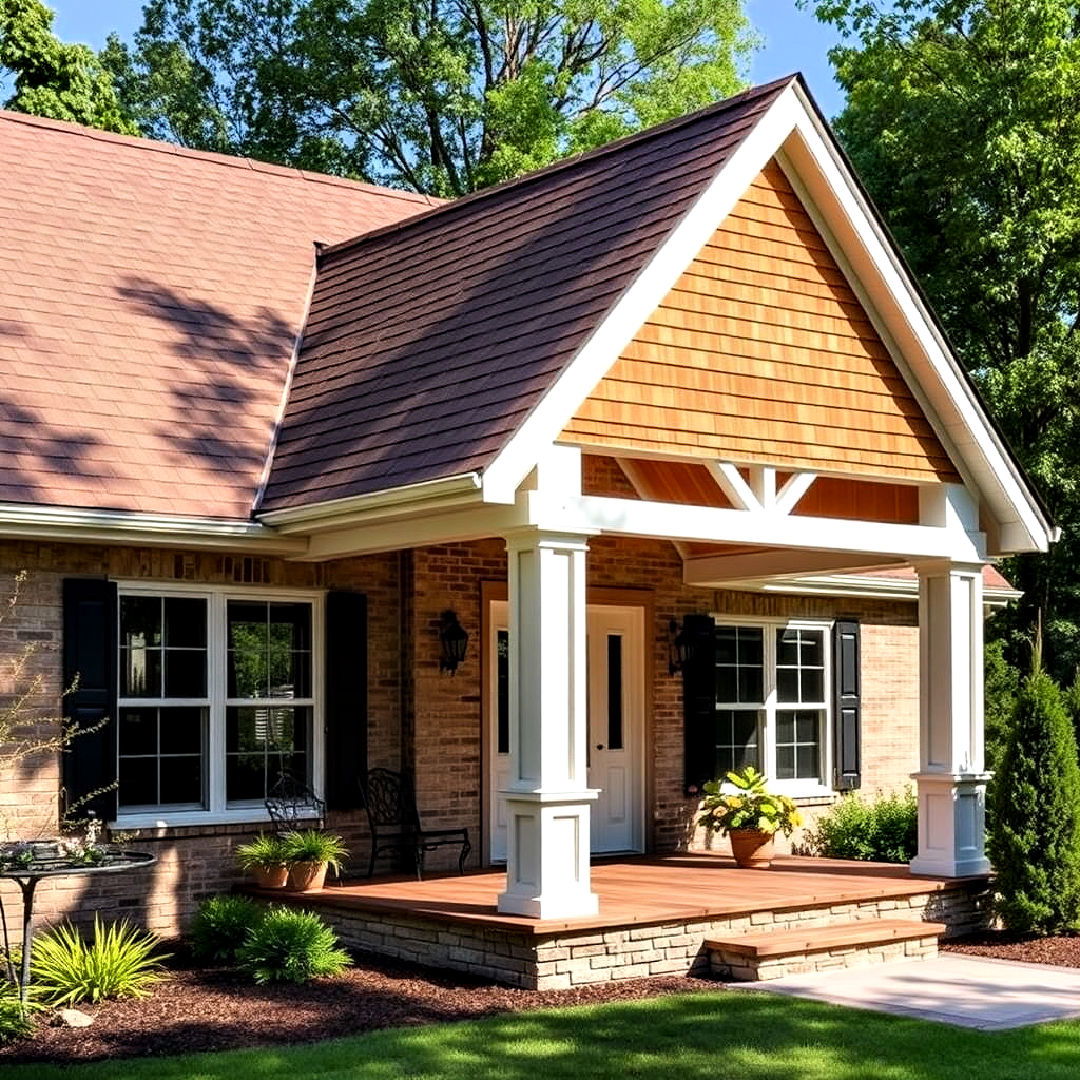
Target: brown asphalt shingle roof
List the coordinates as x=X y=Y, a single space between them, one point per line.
x=428 y=343
x=150 y=299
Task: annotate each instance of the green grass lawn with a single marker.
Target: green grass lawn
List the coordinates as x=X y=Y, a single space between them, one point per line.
x=744 y=1035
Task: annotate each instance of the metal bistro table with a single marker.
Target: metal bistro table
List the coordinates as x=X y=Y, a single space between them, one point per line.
x=28 y=863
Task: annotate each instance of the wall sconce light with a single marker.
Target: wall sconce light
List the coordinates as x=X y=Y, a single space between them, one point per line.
x=453 y=640
x=680 y=648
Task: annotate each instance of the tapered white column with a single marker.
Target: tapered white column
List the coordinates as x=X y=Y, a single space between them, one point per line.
x=951 y=778
x=547 y=800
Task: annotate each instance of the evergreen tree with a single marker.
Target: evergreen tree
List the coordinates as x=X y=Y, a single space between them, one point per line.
x=1034 y=842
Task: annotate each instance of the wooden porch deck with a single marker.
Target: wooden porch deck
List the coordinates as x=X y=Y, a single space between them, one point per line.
x=641 y=890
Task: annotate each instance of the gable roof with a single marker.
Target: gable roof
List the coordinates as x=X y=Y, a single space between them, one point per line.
x=150 y=300
x=429 y=342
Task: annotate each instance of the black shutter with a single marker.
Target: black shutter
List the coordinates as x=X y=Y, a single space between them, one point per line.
x=847 y=735
x=699 y=703
x=89 y=663
x=346 y=698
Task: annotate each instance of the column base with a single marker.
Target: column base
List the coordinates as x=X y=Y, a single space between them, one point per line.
x=952 y=810
x=548 y=872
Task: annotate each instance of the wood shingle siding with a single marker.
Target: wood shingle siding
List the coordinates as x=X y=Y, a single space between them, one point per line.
x=762 y=353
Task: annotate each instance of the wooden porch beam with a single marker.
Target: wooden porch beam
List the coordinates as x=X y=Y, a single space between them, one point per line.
x=674 y=521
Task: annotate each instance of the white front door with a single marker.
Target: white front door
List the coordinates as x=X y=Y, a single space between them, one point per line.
x=616 y=658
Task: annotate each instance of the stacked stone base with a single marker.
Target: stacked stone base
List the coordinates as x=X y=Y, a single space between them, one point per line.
x=568 y=958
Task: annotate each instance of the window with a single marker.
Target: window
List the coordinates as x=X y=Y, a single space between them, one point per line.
x=771 y=708
x=217 y=698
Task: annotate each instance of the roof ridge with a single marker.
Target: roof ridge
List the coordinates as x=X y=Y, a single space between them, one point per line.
x=568 y=162
x=233 y=161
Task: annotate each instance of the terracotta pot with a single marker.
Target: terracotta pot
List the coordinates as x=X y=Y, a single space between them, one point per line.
x=307 y=876
x=753 y=850
x=270 y=877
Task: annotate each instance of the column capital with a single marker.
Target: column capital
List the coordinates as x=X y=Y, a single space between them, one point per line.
x=527 y=538
x=943 y=567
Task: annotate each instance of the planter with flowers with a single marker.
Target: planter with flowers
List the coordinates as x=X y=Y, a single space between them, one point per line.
x=750 y=815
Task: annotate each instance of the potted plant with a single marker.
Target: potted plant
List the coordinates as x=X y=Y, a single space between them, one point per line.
x=309 y=853
x=265 y=859
x=751 y=816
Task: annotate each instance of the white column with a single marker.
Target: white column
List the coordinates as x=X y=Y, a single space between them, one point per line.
x=547 y=800
x=951 y=778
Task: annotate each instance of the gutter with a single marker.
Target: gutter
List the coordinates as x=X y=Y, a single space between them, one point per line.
x=429 y=496
x=78 y=525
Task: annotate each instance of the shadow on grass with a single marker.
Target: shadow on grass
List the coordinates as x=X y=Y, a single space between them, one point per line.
x=750 y=1036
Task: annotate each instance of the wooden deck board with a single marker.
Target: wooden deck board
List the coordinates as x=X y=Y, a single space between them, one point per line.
x=638 y=891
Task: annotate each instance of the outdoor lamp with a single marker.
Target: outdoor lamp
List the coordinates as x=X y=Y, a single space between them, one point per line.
x=680 y=648
x=454 y=640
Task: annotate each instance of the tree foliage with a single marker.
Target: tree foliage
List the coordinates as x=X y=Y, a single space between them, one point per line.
x=1034 y=842
x=441 y=96
x=53 y=78
x=963 y=119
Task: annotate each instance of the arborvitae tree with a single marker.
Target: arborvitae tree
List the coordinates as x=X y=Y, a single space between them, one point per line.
x=1034 y=841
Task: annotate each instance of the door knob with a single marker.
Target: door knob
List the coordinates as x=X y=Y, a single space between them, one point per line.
x=599 y=746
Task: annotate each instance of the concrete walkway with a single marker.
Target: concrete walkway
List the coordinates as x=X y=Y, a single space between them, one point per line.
x=968 y=991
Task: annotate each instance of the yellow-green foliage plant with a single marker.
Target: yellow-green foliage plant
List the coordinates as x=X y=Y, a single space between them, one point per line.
x=119 y=961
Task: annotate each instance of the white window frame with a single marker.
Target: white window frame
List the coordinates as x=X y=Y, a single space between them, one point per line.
x=800 y=788
x=217 y=811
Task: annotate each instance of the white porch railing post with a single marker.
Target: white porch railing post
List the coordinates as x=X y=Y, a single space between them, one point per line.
x=951 y=778
x=547 y=800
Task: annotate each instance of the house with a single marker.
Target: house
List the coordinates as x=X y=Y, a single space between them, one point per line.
x=266 y=434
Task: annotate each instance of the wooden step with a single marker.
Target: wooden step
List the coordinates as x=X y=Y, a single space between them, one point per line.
x=774 y=953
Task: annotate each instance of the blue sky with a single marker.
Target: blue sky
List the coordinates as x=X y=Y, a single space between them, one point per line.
x=794 y=40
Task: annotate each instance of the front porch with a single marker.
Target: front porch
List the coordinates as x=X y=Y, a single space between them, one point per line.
x=655 y=915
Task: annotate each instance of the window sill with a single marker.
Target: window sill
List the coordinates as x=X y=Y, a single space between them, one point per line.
x=248 y=815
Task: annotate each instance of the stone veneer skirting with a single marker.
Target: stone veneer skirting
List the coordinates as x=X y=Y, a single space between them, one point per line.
x=573 y=958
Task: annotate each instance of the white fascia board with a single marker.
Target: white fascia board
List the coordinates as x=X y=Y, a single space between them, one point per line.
x=473 y=523
x=897 y=303
x=430 y=496
x=76 y=525
x=543 y=425
x=674 y=521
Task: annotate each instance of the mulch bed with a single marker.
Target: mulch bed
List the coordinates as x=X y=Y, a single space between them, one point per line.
x=195 y=1010
x=1001 y=945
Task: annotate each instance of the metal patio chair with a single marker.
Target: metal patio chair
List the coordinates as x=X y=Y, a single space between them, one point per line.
x=390 y=802
x=292 y=805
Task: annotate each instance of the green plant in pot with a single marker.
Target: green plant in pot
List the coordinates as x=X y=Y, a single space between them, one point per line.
x=266 y=859
x=750 y=816
x=309 y=853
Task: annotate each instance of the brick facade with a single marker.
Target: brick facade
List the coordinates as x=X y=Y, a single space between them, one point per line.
x=420 y=718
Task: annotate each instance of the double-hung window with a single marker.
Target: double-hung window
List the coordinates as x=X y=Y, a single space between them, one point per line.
x=217 y=698
x=772 y=702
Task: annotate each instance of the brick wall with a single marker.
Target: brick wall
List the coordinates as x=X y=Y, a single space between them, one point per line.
x=192 y=862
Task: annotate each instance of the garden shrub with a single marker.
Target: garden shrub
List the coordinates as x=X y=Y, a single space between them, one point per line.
x=221 y=926
x=884 y=829
x=119 y=961
x=291 y=946
x=1034 y=842
x=1002 y=684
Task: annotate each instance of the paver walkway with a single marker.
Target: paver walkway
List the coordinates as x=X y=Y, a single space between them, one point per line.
x=969 y=991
